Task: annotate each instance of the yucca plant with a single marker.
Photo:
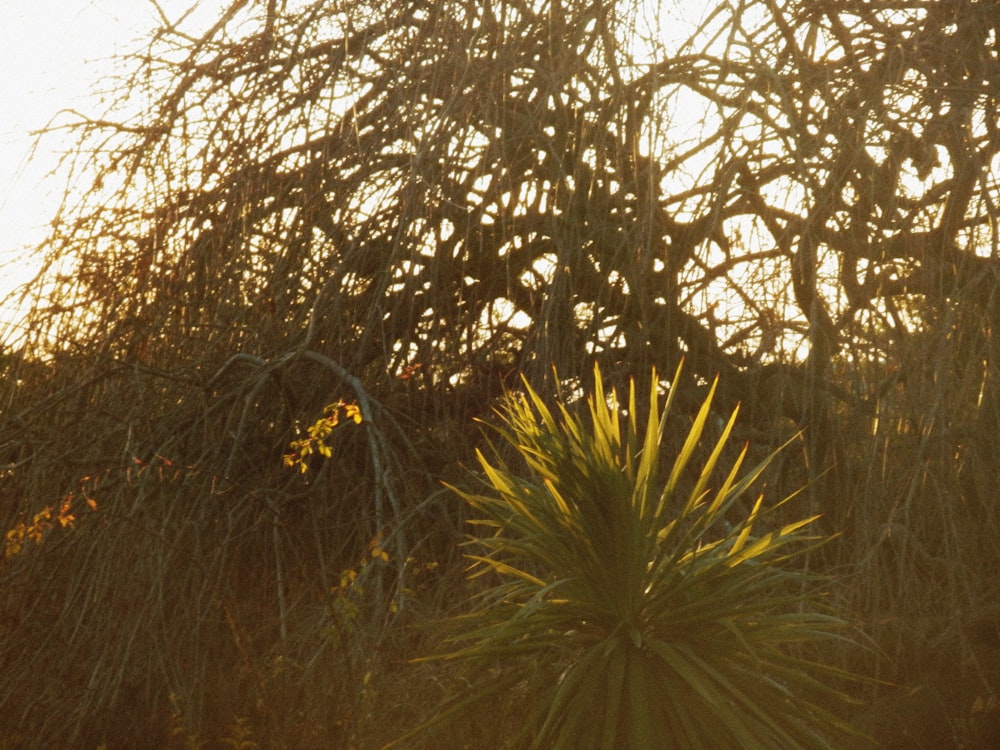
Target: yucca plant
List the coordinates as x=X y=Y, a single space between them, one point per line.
x=629 y=609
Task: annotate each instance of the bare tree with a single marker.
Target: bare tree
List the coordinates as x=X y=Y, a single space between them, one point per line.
x=406 y=204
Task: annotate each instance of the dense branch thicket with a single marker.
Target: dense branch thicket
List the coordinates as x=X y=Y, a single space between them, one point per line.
x=407 y=204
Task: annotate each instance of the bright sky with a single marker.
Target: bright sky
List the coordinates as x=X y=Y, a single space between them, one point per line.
x=52 y=54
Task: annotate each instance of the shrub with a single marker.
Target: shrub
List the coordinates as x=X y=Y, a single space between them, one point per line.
x=626 y=609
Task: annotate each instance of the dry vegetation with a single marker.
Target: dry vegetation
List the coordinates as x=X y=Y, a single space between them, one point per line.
x=405 y=205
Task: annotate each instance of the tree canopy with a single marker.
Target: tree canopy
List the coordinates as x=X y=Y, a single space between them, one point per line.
x=406 y=205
